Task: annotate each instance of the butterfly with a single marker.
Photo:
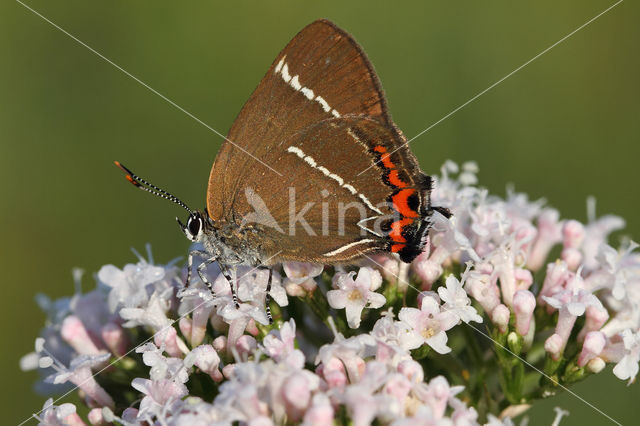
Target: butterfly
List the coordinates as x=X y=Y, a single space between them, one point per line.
x=313 y=168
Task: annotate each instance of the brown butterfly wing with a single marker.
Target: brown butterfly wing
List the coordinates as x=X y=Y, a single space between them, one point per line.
x=319 y=118
x=321 y=73
x=324 y=186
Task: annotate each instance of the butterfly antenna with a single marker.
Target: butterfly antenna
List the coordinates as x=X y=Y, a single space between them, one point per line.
x=138 y=182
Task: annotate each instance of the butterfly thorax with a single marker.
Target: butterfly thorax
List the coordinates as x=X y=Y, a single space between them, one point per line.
x=230 y=244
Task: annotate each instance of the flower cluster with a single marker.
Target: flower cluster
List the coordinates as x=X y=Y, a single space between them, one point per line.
x=443 y=341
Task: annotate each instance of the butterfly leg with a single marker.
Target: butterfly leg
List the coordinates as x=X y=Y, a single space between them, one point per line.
x=192 y=254
x=267 y=297
x=203 y=276
x=231 y=281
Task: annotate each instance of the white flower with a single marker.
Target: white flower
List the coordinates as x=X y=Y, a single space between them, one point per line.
x=350 y=352
x=393 y=333
x=457 y=301
x=79 y=373
x=354 y=295
x=129 y=285
x=627 y=367
x=320 y=413
x=596 y=233
x=252 y=286
x=162 y=367
x=437 y=394
x=279 y=345
x=570 y=304
x=160 y=396
x=300 y=277
x=206 y=359
x=153 y=315
x=62 y=415
x=620 y=272
x=429 y=325
x=362 y=399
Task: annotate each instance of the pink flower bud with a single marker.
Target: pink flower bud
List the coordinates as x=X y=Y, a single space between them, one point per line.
x=252 y=328
x=320 y=413
x=412 y=370
x=428 y=272
x=524 y=303
x=557 y=275
x=334 y=373
x=220 y=343
x=549 y=233
x=95 y=417
x=114 y=336
x=524 y=279
x=167 y=338
x=296 y=393
x=388 y=266
x=596 y=316
x=199 y=320
x=572 y=257
x=75 y=334
x=507 y=283
x=74 y=419
x=384 y=352
x=295 y=290
x=484 y=291
x=398 y=387
x=130 y=415
x=572 y=234
x=83 y=378
x=525 y=235
x=594 y=343
x=300 y=277
x=574 y=282
x=206 y=359
x=245 y=345
x=185 y=327
x=570 y=305
x=554 y=345
x=227 y=370
x=431 y=294
x=596 y=365
x=500 y=317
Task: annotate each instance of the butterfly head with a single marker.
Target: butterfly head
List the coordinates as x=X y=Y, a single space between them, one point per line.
x=194 y=230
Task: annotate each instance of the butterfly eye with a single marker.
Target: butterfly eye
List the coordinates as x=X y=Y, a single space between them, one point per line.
x=194 y=225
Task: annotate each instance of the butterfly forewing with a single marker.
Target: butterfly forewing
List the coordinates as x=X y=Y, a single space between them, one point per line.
x=322 y=73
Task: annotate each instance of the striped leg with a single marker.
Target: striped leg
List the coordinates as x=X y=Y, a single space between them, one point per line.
x=192 y=254
x=231 y=281
x=203 y=276
x=267 y=297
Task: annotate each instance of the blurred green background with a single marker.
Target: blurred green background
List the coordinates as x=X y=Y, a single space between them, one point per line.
x=564 y=127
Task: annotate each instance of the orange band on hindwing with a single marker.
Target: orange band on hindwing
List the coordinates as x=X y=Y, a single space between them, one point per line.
x=394 y=179
x=397 y=247
x=392 y=175
x=401 y=202
x=397 y=228
x=405 y=201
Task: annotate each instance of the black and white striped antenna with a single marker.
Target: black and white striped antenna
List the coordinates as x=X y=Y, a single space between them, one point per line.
x=138 y=182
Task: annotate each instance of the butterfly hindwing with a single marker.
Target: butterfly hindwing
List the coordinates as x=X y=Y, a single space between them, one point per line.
x=327 y=201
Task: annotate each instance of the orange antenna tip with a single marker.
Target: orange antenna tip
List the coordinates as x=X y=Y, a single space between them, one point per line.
x=132 y=180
